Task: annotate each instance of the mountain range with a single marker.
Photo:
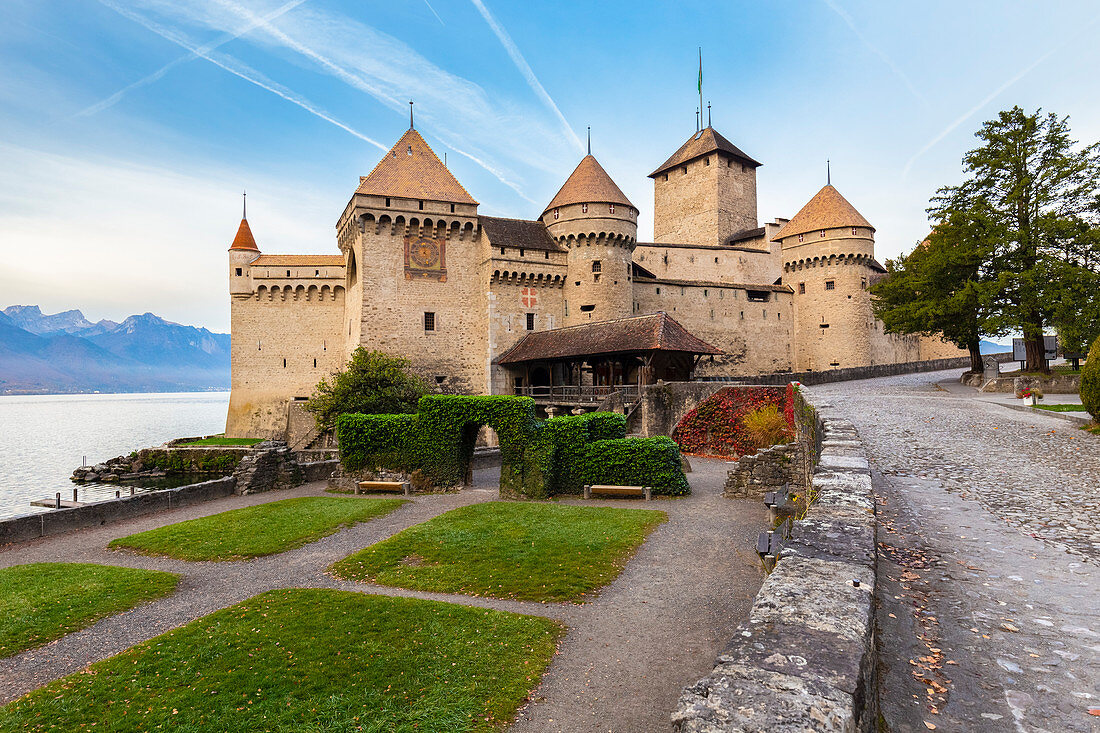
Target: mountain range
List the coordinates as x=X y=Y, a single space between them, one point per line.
x=65 y=353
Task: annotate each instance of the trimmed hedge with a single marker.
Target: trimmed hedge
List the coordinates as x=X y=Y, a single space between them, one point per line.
x=538 y=457
x=1090 y=381
x=651 y=462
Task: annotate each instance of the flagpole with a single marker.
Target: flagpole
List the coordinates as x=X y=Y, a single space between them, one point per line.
x=700 y=87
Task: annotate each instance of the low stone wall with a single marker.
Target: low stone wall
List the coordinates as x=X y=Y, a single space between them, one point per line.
x=1055 y=384
x=21 y=529
x=319 y=470
x=767 y=470
x=844 y=375
x=804 y=661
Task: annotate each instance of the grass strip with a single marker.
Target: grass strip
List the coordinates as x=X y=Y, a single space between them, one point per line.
x=522 y=551
x=44 y=601
x=221 y=440
x=255 y=531
x=1062 y=408
x=308 y=660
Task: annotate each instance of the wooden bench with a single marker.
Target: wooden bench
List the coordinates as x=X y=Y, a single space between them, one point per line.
x=397 y=487
x=643 y=491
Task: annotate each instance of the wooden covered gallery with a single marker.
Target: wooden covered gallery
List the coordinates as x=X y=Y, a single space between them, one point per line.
x=583 y=364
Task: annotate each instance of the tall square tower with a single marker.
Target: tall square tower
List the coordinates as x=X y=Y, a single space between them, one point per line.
x=705 y=192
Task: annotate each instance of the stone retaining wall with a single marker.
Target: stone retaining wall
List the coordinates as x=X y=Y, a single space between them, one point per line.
x=804 y=661
x=768 y=469
x=56 y=521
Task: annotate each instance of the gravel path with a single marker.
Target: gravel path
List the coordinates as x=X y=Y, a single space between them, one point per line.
x=621 y=667
x=989 y=613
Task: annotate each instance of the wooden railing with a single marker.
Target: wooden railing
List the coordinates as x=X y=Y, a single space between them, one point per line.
x=571 y=394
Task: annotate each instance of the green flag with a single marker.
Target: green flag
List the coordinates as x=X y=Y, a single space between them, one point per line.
x=700 y=71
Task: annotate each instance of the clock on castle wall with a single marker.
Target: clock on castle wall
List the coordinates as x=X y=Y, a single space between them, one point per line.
x=425 y=257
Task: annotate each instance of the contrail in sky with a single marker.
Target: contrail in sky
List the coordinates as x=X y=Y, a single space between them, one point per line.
x=434 y=13
x=525 y=69
x=159 y=73
x=996 y=93
x=239 y=69
x=355 y=82
x=875 y=49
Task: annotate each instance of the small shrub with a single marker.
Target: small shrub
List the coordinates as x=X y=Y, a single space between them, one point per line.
x=651 y=462
x=766 y=426
x=1090 y=381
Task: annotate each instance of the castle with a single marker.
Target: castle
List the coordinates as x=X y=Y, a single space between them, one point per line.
x=488 y=305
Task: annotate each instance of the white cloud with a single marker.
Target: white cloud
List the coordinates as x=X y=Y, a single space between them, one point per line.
x=455 y=110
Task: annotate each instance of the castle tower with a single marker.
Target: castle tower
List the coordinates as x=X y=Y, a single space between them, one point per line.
x=828 y=253
x=415 y=255
x=241 y=253
x=594 y=220
x=705 y=192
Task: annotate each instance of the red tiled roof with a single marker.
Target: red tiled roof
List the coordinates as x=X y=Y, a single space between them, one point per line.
x=411 y=170
x=656 y=332
x=701 y=143
x=589 y=184
x=244 y=239
x=826 y=210
x=312 y=260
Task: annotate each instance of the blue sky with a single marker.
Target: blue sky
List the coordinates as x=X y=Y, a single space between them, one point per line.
x=131 y=126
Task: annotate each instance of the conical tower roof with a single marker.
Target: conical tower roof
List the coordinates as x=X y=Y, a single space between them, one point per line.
x=588 y=184
x=244 y=239
x=411 y=170
x=703 y=142
x=826 y=210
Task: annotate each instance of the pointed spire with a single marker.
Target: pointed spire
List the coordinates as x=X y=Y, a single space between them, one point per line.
x=244 y=239
x=828 y=173
x=826 y=210
x=589 y=184
x=414 y=173
x=590 y=139
x=698 y=114
x=411 y=125
x=708 y=114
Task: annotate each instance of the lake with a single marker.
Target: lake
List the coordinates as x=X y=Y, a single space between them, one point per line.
x=44 y=437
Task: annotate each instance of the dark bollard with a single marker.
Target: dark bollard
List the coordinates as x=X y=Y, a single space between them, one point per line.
x=58 y=500
x=74 y=495
x=131 y=491
x=118 y=494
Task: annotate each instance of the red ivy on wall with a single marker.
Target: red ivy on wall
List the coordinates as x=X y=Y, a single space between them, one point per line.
x=715 y=426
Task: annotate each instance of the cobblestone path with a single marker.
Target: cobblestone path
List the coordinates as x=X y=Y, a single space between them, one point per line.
x=988 y=613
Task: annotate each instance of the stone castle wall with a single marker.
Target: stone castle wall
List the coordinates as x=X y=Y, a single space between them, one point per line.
x=754 y=335
x=286 y=338
x=391 y=315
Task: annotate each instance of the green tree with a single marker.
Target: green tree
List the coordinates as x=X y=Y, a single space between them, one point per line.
x=1075 y=310
x=1035 y=180
x=942 y=288
x=373 y=383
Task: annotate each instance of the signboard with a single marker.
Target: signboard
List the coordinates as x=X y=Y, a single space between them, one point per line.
x=1050 y=344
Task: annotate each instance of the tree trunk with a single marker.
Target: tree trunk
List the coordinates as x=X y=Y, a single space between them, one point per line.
x=1035 y=350
x=976 y=363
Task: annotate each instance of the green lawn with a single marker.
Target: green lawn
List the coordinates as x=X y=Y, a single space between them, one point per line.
x=41 y=602
x=1062 y=408
x=259 y=530
x=308 y=660
x=524 y=551
x=222 y=440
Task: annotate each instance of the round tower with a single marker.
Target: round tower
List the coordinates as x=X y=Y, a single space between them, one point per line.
x=596 y=223
x=241 y=253
x=828 y=253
